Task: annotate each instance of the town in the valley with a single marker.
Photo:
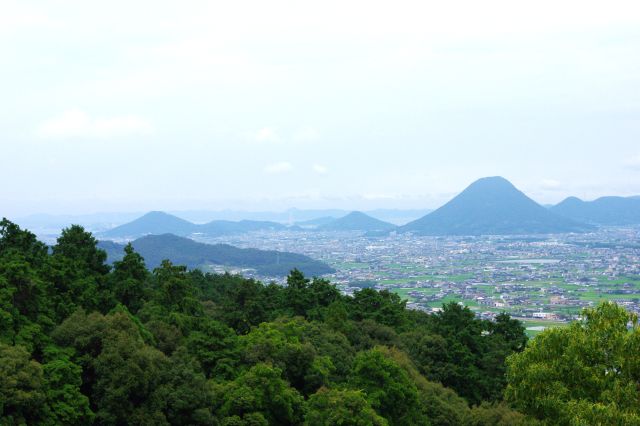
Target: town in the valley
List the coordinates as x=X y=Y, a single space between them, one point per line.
x=542 y=280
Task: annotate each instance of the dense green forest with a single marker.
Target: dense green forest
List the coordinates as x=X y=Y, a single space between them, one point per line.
x=86 y=343
x=156 y=248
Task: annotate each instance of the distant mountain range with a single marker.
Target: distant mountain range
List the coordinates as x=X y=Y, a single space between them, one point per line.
x=155 y=223
x=356 y=221
x=183 y=251
x=50 y=224
x=603 y=211
x=299 y=216
x=492 y=206
x=488 y=206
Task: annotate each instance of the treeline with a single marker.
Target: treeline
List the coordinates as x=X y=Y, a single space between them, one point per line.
x=85 y=343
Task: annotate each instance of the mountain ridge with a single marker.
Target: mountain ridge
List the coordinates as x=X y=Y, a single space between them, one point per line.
x=608 y=210
x=158 y=223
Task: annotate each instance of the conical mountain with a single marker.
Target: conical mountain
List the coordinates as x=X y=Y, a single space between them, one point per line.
x=152 y=223
x=603 y=211
x=357 y=221
x=492 y=206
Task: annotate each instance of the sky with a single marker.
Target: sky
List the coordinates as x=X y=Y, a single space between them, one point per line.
x=267 y=105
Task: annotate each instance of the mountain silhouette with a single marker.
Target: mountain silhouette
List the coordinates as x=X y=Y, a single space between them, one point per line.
x=492 y=206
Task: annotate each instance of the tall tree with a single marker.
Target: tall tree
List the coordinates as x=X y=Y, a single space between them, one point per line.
x=81 y=247
x=22 y=241
x=129 y=279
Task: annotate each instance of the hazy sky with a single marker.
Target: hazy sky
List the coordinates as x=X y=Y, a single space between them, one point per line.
x=139 y=105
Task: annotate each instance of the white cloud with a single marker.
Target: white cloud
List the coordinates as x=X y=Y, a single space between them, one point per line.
x=267 y=135
x=278 y=168
x=551 y=185
x=78 y=124
x=320 y=169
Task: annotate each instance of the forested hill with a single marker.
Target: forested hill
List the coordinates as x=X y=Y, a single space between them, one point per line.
x=356 y=221
x=183 y=251
x=84 y=343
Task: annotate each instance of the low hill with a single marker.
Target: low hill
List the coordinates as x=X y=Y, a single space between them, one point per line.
x=357 y=221
x=603 y=211
x=492 y=206
x=158 y=223
x=183 y=251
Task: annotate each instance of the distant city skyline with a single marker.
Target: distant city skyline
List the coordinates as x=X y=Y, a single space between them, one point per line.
x=263 y=106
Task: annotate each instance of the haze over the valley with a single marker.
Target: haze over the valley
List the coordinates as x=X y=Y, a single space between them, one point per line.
x=263 y=106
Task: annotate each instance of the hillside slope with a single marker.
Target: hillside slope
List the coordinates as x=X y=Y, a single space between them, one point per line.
x=183 y=251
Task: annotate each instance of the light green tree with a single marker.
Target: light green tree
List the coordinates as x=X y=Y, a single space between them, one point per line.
x=341 y=407
x=584 y=374
x=21 y=387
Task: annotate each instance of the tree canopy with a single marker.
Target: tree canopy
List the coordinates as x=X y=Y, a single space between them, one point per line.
x=85 y=343
x=587 y=373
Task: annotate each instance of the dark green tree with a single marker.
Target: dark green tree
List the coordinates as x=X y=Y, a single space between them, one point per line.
x=81 y=247
x=388 y=388
x=129 y=278
x=297 y=295
x=62 y=381
x=281 y=344
x=77 y=274
x=214 y=345
x=260 y=396
x=24 y=308
x=184 y=396
x=383 y=307
x=12 y=238
x=465 y=353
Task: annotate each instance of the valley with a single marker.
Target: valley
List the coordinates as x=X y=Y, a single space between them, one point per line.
x=542 y=280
